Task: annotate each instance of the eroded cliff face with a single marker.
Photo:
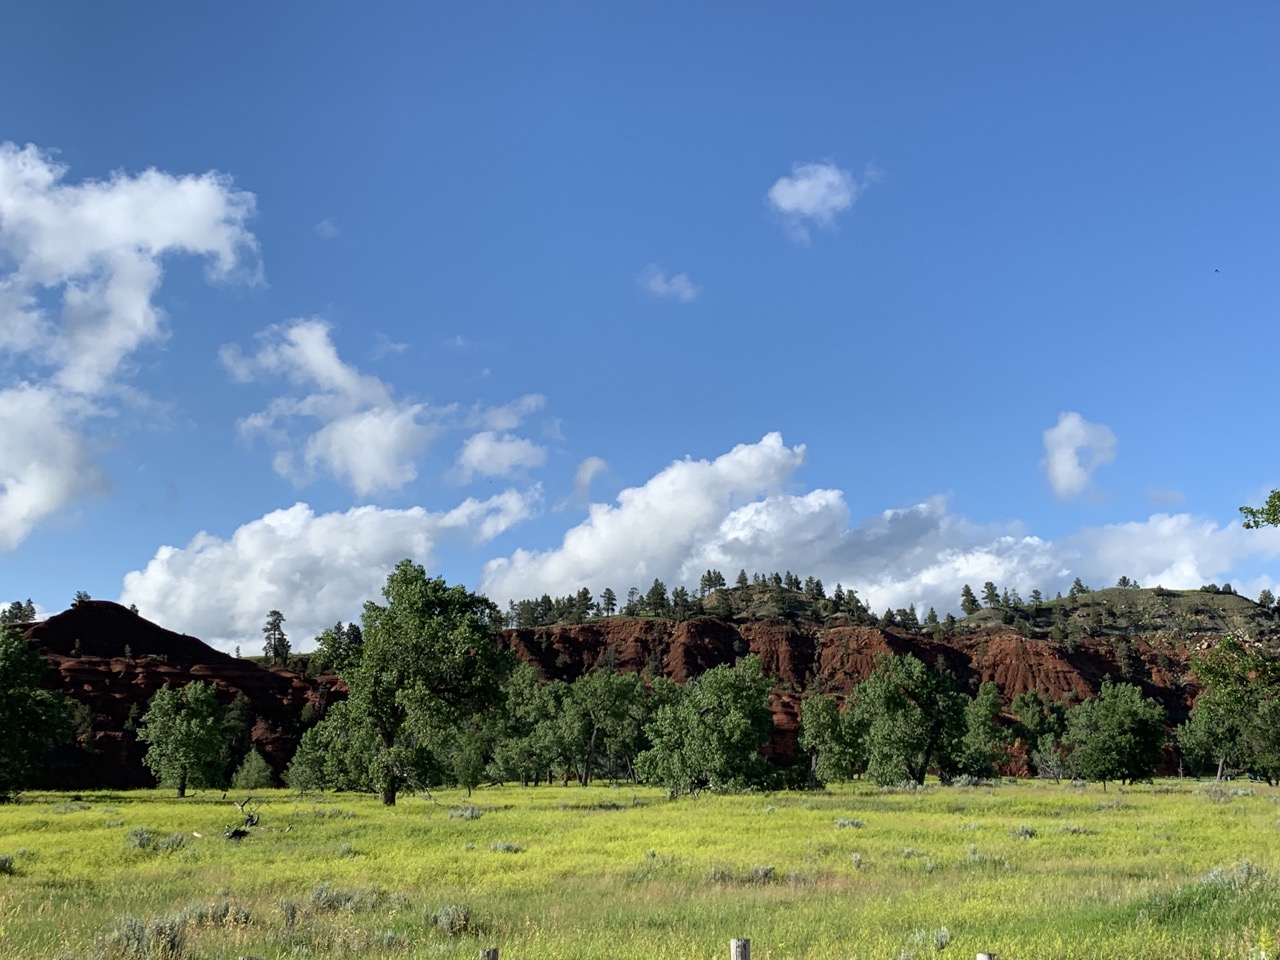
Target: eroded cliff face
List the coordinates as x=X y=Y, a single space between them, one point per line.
x=113 y=661
x=805 y=656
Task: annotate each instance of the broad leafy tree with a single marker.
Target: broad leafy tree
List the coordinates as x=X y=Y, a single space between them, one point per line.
x=600 y=721
x=1228 y=727
x=33 y=720
x=985 y=738
x=1267 y=515
x=709 y=737
x=833 y=738
x=1116 y=735
x=914 y=720
x=431 y=657
x=338 y=648
x=187 y=735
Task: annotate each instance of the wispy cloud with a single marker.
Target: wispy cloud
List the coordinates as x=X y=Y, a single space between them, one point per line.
x=659 y=283
x=491 y=454
x=327 y=229
x=1073 y=449
x=366 y=438
x=814 y=195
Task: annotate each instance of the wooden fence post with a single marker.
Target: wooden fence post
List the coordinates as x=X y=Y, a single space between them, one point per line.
x=739 y=950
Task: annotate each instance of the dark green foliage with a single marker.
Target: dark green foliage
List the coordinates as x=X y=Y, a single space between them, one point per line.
x=985 y=739
x=253 y=774
x=335 y=754
x=186 y=731
x=431 y=657
x=990 y=595
x=1268 y=515
x=1232 y=726
x=914 y=720
x=33 y=720
x=276 y=645
x=969 y=604
x=1040 y=722
x=18 y=612
x=710 y=735
x=834 y=739
x=338 y=648
x=1117 y=735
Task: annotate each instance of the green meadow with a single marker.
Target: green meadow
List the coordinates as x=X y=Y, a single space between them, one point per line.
x=1024 y=870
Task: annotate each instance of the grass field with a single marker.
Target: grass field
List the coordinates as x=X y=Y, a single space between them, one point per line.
x=1028 y=869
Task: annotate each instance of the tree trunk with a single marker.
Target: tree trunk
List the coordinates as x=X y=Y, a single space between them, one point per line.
x=1222 y=763
x=389 y=794
x=586 y=761
x=182 y=783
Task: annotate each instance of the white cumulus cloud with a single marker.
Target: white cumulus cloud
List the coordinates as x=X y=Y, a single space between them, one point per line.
x=668 y=287
x=651 y=529
x=314 y=568
x=80 y=264
x=814 y=195
x=1073 y=449
x=366 y=438
x=733 y=513
x=491 y=454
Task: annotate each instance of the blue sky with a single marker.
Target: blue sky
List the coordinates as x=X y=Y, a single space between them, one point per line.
x=559 y=295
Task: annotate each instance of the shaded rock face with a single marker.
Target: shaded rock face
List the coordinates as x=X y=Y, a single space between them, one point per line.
x=805 y=656
x=113 y=661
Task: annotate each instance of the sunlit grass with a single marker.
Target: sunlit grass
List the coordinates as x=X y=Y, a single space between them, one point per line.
x=1023 y=870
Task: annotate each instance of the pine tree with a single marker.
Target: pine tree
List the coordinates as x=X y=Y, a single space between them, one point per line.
x=990 y=595
x=608 y=601
x=276 y=647
x=968 y=602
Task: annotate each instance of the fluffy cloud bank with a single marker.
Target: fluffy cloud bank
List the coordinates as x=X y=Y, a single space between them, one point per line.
x=732 y=513
x=79 y=267
x=315 y=568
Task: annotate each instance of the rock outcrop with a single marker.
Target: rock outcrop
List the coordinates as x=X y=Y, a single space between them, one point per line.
x=113 y=661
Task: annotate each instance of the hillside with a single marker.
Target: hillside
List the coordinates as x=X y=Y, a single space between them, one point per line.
x=112 y=660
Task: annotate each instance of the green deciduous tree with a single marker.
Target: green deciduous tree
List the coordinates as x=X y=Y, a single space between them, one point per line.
x=431 y=657
x=833 y=738
x=186 y=733
x=914 y=719
x=985 y=739
x=1228 y=726
x=1267 y=515
x=32 y=720
x=338 y=648
x=710 y=736
x=1116 y=735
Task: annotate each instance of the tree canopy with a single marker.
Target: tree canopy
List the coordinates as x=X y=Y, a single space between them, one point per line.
x=33 y=720
x=430 y=657
x=187 y=734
